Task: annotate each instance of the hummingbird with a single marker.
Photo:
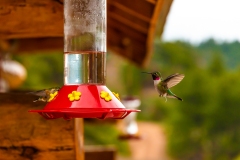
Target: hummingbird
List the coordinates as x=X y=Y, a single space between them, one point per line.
x=44 y=95
x=163 y=85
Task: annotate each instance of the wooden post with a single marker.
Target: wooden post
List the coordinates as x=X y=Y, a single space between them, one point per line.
x=79 y=138
x=25 y=135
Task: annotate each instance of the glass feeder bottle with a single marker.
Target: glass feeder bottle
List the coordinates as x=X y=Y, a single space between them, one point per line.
x=84 y=42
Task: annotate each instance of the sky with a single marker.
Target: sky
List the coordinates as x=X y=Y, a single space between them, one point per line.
x=197 y=20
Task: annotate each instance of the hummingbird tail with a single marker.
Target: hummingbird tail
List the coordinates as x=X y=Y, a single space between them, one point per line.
x=172 y=95
x=178 y=98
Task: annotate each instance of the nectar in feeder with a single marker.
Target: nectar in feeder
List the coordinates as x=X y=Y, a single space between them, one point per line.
x=84 y=94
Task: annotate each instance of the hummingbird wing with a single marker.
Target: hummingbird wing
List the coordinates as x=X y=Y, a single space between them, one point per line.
x=40 y=93
x=44 y=92
x=173 y=80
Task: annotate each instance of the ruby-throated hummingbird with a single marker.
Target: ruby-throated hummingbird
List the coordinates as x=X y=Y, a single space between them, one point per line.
x=163 y=86
x=44 y=95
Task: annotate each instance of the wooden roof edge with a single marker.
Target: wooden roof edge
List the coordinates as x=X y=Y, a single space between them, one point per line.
x=156 y=26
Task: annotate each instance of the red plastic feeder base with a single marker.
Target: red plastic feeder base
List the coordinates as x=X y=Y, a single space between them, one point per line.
x=84 y=101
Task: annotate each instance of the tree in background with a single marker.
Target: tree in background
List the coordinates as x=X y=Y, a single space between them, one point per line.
x=44 y=70
x=206 y=124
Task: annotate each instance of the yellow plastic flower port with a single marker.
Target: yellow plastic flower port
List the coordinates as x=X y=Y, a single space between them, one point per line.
x=106 y=96
x=52 y=96
x=116 y=95
x=74 y=96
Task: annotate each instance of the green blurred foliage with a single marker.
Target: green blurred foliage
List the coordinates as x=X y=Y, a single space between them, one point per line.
x=206 y=124
x=104 y=134
x=229 y=51
x=129 y=75
x=44 y=70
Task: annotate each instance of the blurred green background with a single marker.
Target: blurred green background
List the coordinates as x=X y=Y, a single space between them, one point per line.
x=206 y=125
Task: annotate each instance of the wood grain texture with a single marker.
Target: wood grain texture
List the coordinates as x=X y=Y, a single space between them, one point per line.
x=33 y=45
x=31 y=19
x=25 y=135
x=79 y=138
x=138 y=21
x=100 y=153
x=156 y=28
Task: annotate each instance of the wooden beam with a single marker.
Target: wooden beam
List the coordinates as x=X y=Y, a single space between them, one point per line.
x=157 y=25
x=32 y=45
x=130 y=11
x=25 y=135
x=129 y=23
x=100 y=152
x=31 y=19
x=137 y=20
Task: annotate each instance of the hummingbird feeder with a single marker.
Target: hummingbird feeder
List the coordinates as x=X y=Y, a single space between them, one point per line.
x=84 y=93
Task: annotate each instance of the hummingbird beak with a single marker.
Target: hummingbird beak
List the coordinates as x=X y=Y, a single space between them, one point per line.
x=147 y=72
